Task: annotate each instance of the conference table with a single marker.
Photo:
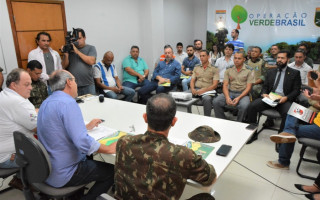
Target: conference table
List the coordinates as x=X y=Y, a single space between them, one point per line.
x=127 y=117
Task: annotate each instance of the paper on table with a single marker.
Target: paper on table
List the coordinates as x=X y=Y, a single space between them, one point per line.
x=101 y=131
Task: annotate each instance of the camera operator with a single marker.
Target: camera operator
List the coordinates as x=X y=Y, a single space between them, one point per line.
x=79 y=63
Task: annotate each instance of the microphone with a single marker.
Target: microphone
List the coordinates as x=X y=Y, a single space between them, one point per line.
x=101 y=98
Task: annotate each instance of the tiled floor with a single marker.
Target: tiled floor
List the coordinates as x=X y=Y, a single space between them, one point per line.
x=238 y=182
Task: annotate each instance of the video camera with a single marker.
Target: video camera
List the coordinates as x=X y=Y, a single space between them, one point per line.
x=71 y=38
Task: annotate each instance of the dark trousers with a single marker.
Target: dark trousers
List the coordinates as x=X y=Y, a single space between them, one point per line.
x=258 y=105
x=144 y=91
x=89 y=171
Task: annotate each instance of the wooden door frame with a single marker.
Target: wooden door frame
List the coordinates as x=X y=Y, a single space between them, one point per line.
x=13 y=27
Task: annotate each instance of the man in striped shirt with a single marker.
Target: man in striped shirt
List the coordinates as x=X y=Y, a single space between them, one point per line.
x=238 y=44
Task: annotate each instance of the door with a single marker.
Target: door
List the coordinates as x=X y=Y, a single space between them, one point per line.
x=28 y=18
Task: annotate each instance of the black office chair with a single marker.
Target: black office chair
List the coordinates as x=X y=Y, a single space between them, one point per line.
x=269 y=113
x=307 y=142
x=6 y=172
x=35 y=168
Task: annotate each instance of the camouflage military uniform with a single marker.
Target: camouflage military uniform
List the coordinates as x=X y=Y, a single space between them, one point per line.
x=38 y=93
x=259 y=71
x=150 y=167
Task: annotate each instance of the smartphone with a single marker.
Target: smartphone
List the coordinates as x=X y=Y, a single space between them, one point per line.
x=102 y=120
x=314 y=75
x=252 y=126
x=224 y=150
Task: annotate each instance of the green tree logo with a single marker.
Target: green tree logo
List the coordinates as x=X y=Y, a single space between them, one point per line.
x=239 y=15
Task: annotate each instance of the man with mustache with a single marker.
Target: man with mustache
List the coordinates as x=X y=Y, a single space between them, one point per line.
x=49 y=58
x=282 y=80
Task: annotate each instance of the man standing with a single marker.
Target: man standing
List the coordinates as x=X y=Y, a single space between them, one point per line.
x=17 y=114
x=257 y=65
x=237 y=84
x=39 y=90
x=49 y=58
x=226 y=61
x=79 y=62
x=198 y=47
x=188 y=65
x=205 y=78
x=238 y=44
x=148 y=166
x=165 y=76
x=135 y=70
x=62 y=132
x=180 y=54
x=283 y=81
x=272 y=59
x=107 y=80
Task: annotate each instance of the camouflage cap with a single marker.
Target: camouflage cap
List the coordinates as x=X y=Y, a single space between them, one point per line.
x=204 y=134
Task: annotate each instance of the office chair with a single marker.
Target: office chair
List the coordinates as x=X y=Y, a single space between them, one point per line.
x=35 y=167
x=307 y=142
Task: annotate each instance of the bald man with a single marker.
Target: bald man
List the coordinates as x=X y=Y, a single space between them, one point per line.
x=107 y=81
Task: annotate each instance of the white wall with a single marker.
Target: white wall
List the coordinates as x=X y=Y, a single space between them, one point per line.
x=117 y=25
x=185 y=20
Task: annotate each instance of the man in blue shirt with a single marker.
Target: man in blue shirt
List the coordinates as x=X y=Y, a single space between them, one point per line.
x=187 y=66
x=165 y=76
x=238 y=44
x=135 y=70
x=62 y=132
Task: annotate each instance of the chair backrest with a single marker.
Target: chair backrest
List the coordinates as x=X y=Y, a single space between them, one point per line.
x=32 y=156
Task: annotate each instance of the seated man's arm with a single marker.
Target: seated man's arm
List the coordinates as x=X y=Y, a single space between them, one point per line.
x=118 y=82
x=296 y=88
x=134 y=73
x=99 y=84
x=200 y=171
x=187 y=73
x=210 y=88
x=192 y=85
x=110 y=149
x=90 y=60
x=225 y=90
x=177 y=73
x=146 y=73
x=244 y=93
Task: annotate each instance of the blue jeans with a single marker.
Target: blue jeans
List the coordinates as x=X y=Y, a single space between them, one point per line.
x=88 y=89
x=300 y=131
x=9 y=163
x=127 y=92
x=220 y=101
x=144 y=92
x=185 y=83
x=135 y=85
x=90 y=170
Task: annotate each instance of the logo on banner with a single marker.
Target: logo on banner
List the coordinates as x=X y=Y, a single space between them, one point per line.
x=239 y=15
x=317 y=17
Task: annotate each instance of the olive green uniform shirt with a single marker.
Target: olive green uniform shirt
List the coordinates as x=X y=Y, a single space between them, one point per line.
x=238 y=80
x=148 y=166
x=204 y=77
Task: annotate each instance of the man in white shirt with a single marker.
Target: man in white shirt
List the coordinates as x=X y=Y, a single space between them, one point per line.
x=300 y=65
x=49 y=58
x=17 y=114
x=180 y=54
x=226 y=61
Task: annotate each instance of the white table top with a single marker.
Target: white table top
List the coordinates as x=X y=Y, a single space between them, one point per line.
x=124 y=116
